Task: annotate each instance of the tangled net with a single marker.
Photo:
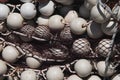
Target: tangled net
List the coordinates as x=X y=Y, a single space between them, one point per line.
x=33 y=49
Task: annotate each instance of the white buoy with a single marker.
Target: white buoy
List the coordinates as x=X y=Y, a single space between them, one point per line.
x=99 y=14
x=109 y=27
x=94 y=30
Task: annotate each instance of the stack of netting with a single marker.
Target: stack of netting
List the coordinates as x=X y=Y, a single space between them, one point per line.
x=59 y=40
